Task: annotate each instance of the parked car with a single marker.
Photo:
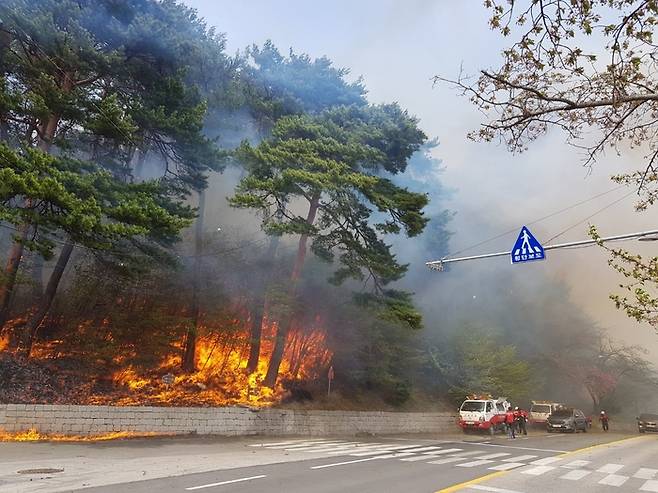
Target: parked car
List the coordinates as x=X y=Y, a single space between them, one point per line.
x=570 y=420
x=647 y=422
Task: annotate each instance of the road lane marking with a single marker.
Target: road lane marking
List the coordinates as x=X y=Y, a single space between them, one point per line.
x=645 y=473
x=475 y=463
x=422 y=449
x=446 y=451
x=576 y=464
x=395 y=456
x=361 y=448
x=538 y=471
x=299 y=445
x=449 y=460
x=614 y=480
x=344 y=463
x=383 y=450
x=466 y=454
x=507 y=466
x=545 y=461
x=611 y=468
x=474 y=482
x=494 y=456
x=493 y=489
x=520 y=458
x=576 y=474
x=327 y=448
x=519 y=448
x=192 y=488
x=275 y=443
x=487 y=477
x=651 y=485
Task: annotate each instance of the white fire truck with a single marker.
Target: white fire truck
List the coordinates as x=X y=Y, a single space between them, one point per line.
x=483 y=413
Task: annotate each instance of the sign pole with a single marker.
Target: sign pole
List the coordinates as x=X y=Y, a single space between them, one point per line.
x=330 y=377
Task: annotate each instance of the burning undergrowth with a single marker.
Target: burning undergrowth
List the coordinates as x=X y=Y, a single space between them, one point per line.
x=56 y=373
x=33 y=435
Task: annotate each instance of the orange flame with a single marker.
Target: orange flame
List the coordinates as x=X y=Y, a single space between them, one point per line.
x=221 y=377
x=33 y=435
x=4 y=342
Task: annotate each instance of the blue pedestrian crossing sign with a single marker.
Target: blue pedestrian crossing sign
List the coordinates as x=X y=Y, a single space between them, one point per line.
x=526 y=248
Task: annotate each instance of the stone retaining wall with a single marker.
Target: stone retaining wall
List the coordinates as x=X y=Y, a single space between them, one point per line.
x=94 y=420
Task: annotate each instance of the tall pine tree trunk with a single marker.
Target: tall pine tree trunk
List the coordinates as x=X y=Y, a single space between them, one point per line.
x=10 y=273
x=189 y=360
x=258 y=307
x=18 y=247
x=47 y=299
x=284 y=327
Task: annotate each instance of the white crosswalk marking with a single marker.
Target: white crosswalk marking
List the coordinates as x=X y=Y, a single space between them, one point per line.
x=610 y=468
x=614 y=480
x=538 y=471
x=475 y=463
x=506 y=466
x=325 y=447
x=275 y=443
x=448 y=460
x=651 y=485
x=301 y=445
x=520 y=458
x=382 y=450
x=545 y=461
x=466 y=454
x=645 y=473
x=445 y=451
x=576 y=474
x=422 y=449
x=394 y=456
x=363 y=448
x=372 y=452
x=576 y=464
x=493 y=456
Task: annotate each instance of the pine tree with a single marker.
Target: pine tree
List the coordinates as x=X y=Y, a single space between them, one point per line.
x=334 y=165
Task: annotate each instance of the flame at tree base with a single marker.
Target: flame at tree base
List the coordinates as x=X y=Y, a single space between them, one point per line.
x=221 y=378
x=83 y=369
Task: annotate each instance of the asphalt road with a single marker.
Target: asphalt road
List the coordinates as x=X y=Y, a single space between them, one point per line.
x=593 y=462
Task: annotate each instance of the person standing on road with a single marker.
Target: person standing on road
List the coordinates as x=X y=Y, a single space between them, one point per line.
x=521 y=420
x=603 y=418
x=510 y=423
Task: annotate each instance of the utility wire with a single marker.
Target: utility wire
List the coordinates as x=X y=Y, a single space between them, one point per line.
x=590 y=216
x=535 y=221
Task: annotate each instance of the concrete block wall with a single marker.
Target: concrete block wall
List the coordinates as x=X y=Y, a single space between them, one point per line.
x=228 y=421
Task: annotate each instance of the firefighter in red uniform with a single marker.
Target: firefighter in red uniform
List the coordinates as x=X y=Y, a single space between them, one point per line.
x=521 y=417
x=603 y=418
x=510 y=423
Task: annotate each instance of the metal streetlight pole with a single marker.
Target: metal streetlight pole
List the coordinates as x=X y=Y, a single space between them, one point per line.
x=641 y=236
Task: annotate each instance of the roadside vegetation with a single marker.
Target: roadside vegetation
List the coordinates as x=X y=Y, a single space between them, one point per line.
x=182 y=226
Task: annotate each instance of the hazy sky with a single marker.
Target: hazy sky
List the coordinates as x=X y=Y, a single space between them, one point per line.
x=397 y=46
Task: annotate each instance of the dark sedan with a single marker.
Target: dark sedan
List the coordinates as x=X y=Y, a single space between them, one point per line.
x=567 y=420
x=647 y=422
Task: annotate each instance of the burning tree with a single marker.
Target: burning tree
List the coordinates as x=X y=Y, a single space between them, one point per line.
x=330 y=163
x=104 y=97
